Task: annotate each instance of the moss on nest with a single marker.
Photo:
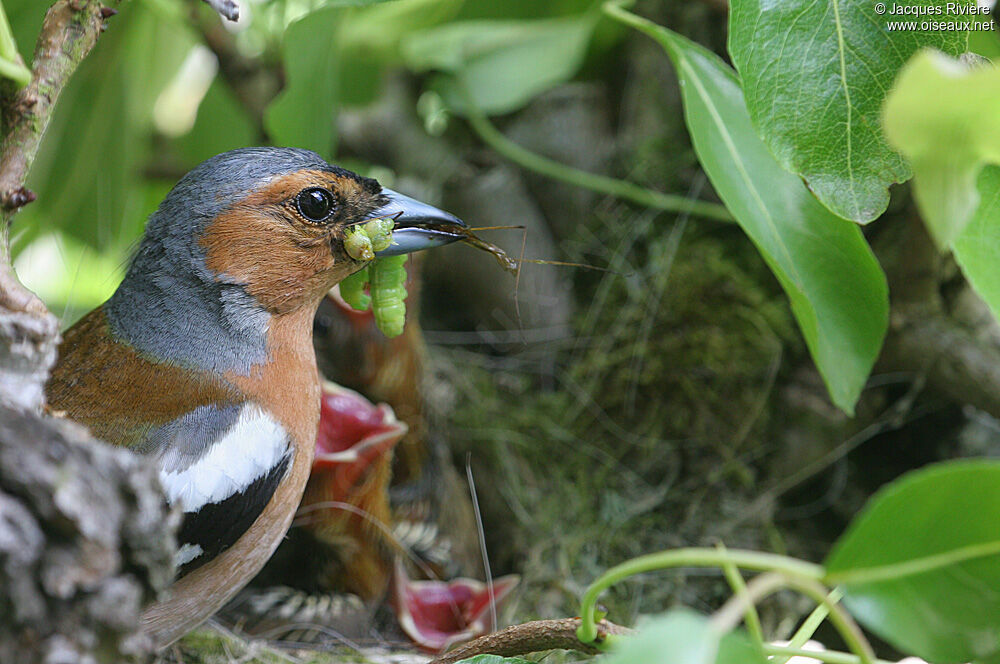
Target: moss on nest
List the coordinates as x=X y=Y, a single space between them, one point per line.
x=643 y=431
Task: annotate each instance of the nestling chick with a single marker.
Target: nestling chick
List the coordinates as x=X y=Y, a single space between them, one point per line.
x=203 y=357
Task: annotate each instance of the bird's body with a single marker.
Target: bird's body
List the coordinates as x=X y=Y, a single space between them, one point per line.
x=203 y=357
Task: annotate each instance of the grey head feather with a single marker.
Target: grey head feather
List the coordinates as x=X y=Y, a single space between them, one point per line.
x=170 y=305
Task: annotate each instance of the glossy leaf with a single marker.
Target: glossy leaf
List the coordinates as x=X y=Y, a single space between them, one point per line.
x=945 y=117
x=303 y=115
x=493 y=659
x=814 y=77
x=682 y=636
x=837 y=291
x=920 y=566
x=978 y=246
x=501 y=65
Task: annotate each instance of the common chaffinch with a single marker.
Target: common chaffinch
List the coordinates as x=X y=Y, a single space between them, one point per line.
x=203 y=357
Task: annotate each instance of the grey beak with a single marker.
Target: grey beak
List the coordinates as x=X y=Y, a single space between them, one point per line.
x=418 y=225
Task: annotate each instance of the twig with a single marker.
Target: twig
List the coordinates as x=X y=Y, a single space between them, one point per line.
x=69 y=32
x=227 y=8
x=739 y=585
x=528 y=637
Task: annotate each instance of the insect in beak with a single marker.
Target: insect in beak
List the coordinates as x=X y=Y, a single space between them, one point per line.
x=418 y=225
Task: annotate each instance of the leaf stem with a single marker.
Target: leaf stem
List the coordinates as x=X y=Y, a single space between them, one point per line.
x=739 y=586
x=893 y=571
x=839 y=618
x=811 y=623
x=8 y=47
x=689 y=557
x=11 y=65
x=726 y=618
x=15 y=72
x=600 y=183
x=784 y=653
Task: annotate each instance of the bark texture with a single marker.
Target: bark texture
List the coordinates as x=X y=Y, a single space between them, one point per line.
x=85 y=542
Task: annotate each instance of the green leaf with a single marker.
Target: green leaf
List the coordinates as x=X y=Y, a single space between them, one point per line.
x=303 y=114
x=493 y=659
x=920 y=566
x=977 y=248
x=837 y=290
x=815 y=75
x=945 y=117
x=682 y=636
x=501 y=65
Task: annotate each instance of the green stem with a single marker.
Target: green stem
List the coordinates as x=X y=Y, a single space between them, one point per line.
x=811 y=623
x=10 y=60
x=739 y=586
x=839 y=618
x=728 y=617
x=600 y=183
x=691 y=557
x=15 y=72
x=8 y=47
x=784 y=653
x=899 y=570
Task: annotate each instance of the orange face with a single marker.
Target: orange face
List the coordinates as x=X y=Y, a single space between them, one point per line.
x=285 y=241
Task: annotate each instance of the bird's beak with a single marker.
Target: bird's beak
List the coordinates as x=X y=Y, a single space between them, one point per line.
x=418 y=225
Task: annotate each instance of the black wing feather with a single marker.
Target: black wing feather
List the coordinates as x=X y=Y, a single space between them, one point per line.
x=216 y=526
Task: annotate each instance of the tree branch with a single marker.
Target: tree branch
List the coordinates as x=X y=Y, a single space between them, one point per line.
x=535 y=636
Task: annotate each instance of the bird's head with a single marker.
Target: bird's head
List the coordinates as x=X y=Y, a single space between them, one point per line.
x=250 y=234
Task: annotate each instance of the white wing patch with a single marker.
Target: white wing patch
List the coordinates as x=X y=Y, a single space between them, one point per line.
x=187 y=553
x=249 y=449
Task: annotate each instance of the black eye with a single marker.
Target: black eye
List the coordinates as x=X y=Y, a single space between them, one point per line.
x=315 y=204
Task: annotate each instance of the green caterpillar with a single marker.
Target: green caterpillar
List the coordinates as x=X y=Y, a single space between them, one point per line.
x=388 y=292
x=352 y=289
x=386 y=278
x=379 y=231
x=358 y=245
